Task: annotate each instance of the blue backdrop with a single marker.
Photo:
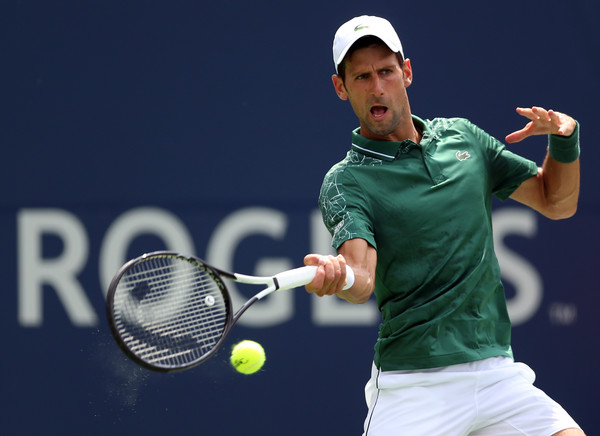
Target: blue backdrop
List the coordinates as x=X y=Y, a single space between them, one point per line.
x=206 y=127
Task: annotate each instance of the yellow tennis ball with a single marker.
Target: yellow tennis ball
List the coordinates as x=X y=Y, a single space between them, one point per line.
x=248 y=357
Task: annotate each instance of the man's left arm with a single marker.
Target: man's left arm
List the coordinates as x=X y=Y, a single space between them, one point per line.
x=554 y=191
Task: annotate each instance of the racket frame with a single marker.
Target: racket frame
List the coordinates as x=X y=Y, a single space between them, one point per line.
x=282 y=281
x=215 y=273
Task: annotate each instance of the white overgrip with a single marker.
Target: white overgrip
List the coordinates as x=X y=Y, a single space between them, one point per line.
x=349 y=277
x=303 y=276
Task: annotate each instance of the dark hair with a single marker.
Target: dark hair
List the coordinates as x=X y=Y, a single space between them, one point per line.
x=365 y=41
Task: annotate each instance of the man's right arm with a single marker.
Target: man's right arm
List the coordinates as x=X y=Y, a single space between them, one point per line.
x=331 y=274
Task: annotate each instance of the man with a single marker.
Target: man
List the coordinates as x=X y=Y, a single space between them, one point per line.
x=409 y=209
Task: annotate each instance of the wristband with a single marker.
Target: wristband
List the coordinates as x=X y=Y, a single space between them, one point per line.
x=564 y=149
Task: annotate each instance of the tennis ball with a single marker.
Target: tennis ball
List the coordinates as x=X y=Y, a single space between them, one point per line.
x=247 y=357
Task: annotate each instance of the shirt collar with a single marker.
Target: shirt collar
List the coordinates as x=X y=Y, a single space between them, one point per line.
x=384 y=150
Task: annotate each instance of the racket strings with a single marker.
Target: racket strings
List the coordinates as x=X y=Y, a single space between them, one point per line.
x=170 y=312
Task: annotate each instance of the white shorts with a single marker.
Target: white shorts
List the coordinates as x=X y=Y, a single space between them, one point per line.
x=494 y=396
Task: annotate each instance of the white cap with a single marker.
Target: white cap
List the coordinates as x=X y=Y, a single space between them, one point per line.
x=365 y=25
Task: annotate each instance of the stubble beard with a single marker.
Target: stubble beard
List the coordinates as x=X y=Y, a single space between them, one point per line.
x=382 y=128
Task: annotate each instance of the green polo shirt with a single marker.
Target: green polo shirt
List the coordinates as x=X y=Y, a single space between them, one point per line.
x=427 y=209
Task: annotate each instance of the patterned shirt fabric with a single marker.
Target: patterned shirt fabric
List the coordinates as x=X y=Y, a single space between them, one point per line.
x=427 y=209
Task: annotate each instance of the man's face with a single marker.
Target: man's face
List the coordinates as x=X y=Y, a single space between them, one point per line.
x=375 y=84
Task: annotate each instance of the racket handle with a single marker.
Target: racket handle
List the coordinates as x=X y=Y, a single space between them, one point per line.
x=349 y=277
x=304 y=275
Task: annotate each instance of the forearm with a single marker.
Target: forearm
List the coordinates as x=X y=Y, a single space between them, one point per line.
x=330 y=277
x=561 y=173
x=561 y=187
x=362 y=258
x=363 y=287
x=554 y=192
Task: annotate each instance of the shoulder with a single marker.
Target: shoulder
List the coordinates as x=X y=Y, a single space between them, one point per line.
x=463 y=130
x=338 y=178
x=453 y=129
x=336 y=171
x=346 y=169
x=441 y=125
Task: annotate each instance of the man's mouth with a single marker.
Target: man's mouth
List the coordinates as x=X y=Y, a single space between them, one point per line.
x=378 y=111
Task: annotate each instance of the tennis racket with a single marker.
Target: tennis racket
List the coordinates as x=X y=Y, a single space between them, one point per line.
x=170 y=312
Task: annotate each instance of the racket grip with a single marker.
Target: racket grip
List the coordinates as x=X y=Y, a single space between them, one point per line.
x=304 y=275
x=349 y=277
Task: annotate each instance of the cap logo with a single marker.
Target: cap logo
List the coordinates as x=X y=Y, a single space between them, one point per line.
x=360 y=27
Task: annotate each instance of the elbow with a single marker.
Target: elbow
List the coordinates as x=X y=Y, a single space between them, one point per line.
x=569 y=213
x=560 y=213
x=561 y=207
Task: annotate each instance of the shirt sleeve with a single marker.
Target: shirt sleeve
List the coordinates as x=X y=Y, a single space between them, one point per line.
x=345 y=208
x=507 y=170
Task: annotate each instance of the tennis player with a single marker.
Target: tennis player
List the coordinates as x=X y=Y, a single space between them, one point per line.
x=409 y=209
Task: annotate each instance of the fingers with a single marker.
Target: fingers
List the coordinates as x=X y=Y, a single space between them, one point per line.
x=331 y=274
x=566 y=124
x=519 y=135
x=556 y=119
x=542 y=122
x=542 y=114
x=312 y=259
x=536 y=114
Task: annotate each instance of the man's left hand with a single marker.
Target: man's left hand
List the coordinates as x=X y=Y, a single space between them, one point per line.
x=543 y=122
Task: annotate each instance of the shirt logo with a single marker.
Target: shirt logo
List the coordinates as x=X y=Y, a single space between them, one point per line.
x=462 y=155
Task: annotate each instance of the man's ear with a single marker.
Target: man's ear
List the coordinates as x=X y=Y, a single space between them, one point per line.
x=408 y=75
x=340 y=89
